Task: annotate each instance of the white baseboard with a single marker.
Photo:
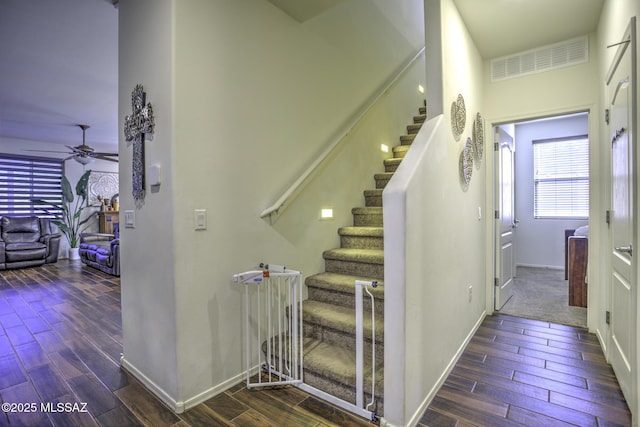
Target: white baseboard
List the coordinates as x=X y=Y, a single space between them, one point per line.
x=434 y=390
x=549 y=267
x=180 y=406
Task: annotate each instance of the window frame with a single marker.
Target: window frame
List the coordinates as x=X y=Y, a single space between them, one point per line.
x=40 y=180
x=579 y=177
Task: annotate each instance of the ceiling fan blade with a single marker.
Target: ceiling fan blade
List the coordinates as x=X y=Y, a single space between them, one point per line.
x=48 y=151
x=73 y=149
x=70 y=157
x=104 y=154
x=105 y=158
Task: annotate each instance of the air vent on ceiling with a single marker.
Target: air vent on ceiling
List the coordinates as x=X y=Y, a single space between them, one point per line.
x=564 y=54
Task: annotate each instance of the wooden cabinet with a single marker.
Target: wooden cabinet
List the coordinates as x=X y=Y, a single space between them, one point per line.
x=106 y=221
x=578 y=253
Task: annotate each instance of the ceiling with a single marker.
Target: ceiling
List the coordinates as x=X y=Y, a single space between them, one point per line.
x=59 y=68
x=59 y=59
x=503 y=27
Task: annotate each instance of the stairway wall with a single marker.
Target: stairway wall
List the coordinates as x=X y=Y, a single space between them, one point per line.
x=435 y=244
x=340 y=183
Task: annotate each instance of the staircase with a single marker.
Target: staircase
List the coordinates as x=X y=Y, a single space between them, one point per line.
x=329 y=312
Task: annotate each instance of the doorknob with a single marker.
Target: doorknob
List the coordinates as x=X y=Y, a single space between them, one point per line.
x=625 y=249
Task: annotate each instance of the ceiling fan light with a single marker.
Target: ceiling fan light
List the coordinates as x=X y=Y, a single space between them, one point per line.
x=83 y=160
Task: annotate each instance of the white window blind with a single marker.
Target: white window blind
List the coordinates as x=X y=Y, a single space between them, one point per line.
x=561 y=177
x=25 y=178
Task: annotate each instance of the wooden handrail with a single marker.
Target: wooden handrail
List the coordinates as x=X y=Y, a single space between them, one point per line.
x=298 y=183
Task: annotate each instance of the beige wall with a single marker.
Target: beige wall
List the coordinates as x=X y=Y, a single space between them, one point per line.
x=434 y=238
x=245 y=97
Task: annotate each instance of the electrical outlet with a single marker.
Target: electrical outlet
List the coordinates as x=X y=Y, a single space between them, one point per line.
x=470 y=292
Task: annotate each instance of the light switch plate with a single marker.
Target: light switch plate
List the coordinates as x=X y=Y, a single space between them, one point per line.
x=130 y=219
x=200 y=217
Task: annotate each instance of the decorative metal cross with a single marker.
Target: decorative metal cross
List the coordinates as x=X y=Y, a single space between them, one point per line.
x=136 y=126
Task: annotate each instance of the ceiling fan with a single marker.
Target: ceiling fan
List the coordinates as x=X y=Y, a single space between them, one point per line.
x=82 y=153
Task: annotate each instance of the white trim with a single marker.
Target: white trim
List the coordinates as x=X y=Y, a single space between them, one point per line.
x=179 y=406
x=432 y=393
x=548 y=267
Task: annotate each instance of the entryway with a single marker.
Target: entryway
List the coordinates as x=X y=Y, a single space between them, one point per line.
x=542 y=196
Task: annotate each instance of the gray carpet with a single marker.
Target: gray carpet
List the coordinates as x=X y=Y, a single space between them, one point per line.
x=543 y=294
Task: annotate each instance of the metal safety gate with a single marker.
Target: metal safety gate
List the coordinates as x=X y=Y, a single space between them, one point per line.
x=273 y=332
x=273 y=327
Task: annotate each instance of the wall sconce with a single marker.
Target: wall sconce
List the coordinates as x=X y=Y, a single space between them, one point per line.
x=384 y=148
x=421 y=89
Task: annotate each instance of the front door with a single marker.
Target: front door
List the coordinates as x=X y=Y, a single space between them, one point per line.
x=505 y=220
x=621 y=93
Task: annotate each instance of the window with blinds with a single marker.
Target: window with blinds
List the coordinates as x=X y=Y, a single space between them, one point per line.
x=561 y=177
x=25 y=178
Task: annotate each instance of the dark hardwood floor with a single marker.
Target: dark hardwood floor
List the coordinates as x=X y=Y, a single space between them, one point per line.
x=61 y=339
x=519 y=371
x=60 y=345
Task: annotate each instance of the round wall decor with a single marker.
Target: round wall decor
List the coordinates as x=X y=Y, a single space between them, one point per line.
x=478 y=137
x=467 y=161
x=458 y=116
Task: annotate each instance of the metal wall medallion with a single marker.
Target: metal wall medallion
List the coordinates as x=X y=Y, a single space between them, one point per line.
x=467 y=161
x=478 y=137
x=458 y=116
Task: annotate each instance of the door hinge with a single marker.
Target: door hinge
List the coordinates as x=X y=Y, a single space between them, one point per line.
x=607 y=317
x=497 y=214
x=496 y=146
x=496 y=281
x=606 y=115
x=607 y=217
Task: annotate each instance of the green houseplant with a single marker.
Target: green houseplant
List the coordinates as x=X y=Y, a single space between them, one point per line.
x=71 y=222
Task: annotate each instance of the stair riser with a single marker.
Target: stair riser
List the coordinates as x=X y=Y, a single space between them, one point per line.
x=344 y=340
x=344 y=391
x=413 y=129
x=399 y=153
x=375 y=271
x=361 y=242
x=391 y=168
x=381 y=183
x=407 y=139
x=373 y=201
x=344 y=300
x=367 y=220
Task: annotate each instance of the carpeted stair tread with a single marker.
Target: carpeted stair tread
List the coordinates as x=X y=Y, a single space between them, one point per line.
x=361 y=231
x=339 y=364
x=340 y=319
x=366 y=256
x=343 y=283
x=367 y=211
x=414 y=128
x=400 y=151
x=407 y=139
x=392 y=163
x=383 y=175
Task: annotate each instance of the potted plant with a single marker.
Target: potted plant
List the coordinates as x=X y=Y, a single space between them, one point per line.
x=71 y=222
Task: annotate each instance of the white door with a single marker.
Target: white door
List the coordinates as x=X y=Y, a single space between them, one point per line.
x=505 y=220
x=621 y=91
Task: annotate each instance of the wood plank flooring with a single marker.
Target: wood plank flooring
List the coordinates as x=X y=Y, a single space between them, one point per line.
x=61 y=339
x=60 y=345
x=519 y=371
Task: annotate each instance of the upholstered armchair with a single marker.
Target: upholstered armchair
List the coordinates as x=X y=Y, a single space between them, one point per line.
x=27 y=242
x=102 y=251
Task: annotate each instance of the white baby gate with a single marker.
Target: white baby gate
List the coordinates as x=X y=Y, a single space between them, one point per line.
x=274 y=334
